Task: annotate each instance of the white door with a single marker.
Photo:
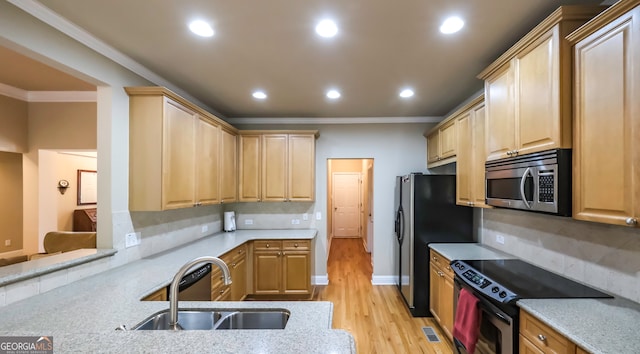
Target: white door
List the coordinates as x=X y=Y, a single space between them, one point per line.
x=346 y=204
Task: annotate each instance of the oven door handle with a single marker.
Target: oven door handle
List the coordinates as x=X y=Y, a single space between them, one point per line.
x=523 y=181
x=502 y=318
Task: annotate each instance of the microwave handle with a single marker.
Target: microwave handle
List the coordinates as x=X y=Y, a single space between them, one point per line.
x=522 y=183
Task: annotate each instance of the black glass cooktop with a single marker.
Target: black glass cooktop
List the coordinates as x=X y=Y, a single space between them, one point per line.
x=530 y=282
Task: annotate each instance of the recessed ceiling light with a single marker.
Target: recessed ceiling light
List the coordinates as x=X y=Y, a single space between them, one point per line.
x=406 y=93
x=201 y=28
x=259 y=95
x=333 y=94
x=326 y=28
x=451 y=25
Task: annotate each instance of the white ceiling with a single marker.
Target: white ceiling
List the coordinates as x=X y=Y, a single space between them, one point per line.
x=382 y=46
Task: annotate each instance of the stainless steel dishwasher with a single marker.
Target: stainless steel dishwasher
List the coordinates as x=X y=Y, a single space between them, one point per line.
x=195 y=286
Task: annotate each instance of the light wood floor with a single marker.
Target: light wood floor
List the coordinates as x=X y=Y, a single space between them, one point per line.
x=376 y=316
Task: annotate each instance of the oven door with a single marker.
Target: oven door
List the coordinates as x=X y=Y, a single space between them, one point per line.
x=498 y=330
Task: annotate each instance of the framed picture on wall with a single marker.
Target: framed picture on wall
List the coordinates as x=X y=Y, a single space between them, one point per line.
x=87 y=187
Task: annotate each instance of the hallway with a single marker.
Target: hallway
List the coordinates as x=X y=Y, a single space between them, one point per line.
x=375 y=315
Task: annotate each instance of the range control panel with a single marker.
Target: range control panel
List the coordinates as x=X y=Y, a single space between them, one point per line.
x=482 y=283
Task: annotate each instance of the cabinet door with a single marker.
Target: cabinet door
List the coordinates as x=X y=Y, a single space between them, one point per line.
x=538 y=94
x=478 y=157
x=296 y=277
x=434 y=291
x=464 y=160
x=178 y=182
x=500 y=124
x=229 y=169
x=446 y=305
x=267 y=272
x=274 y=167
x=301 y=165
x=249 y=171
x=526 y=347
x=433 y=148
x=607 y=120
x=208 y=163
x=447 y=139
x=239 y=278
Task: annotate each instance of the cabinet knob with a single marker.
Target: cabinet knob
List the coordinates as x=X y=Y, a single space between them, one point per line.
x=295 y=245
x=435 y=259
x=440 y=273
x=631 y=221
x=233 y=265
x=222 y=291
x=542 y=337
x=267 y=245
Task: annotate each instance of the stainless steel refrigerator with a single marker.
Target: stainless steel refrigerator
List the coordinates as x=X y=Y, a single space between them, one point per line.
x=426 y=212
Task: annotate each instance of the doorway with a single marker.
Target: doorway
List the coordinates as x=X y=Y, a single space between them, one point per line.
x=350 y=200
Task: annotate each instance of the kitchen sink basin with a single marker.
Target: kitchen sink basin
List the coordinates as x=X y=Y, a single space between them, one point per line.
x=254 y=320
x=207 y=319
x=188 y=320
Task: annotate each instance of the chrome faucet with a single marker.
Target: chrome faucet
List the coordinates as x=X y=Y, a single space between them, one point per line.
x=173 y=290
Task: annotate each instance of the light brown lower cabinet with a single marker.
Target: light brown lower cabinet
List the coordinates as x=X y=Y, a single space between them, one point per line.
x=282 y=267
x=236 y=260
x=537 y=337
x=441 y=292
x=158 y=295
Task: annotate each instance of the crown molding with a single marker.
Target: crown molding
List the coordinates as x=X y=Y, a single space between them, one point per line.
x=53 y=19
x=48 y=96
x=334 y=120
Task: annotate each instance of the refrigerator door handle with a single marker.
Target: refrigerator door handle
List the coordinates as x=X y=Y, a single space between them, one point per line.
x=400 y=225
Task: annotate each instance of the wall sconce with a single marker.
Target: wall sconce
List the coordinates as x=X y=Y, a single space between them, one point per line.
x=63 y=184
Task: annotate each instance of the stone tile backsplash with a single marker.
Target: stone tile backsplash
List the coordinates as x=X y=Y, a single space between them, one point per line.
x=274 y=215
x=604 y=256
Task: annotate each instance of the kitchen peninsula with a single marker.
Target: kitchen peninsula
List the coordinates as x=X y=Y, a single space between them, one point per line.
x=83 y=316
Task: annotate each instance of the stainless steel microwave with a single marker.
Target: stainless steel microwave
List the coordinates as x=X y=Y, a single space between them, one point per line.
x=534 y=182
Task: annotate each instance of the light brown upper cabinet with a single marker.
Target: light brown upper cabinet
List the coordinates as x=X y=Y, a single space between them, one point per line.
x=470 y=154
x=229 y=166
x=277 y=166
x=606 y=154
x=175 y=152
x=528 y=88
x=441 y=143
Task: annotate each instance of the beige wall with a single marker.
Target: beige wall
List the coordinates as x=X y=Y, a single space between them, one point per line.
x=604 y=256
x=13 y=120
x=51 y=126
x=67 y=166
x=11 y=201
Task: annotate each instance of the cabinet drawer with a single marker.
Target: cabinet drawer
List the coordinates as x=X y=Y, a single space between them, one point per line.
x=543 y=336
x=235 y=254
x=296 y=245
x=267 y=245
x=441 y=262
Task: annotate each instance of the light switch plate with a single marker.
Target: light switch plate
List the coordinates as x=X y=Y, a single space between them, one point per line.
x=305 y=216
x=205 y=228
x=500 y=239
x=318 y=215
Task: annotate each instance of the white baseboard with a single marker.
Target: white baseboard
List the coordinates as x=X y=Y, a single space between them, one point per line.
x=320 y=279
x=384 y=280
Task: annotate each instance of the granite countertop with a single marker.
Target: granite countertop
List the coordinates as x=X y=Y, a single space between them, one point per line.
x=468 y=251
x=83 y=315
x=601 y=326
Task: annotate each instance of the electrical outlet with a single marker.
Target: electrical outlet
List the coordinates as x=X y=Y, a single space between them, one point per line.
x=248 y=221
x=7 y=243
x=318 y=215
x=500 y=239
x=205 y=228
x=293 y=221
x=305 y=216
x=296 y=221
x=131 y=239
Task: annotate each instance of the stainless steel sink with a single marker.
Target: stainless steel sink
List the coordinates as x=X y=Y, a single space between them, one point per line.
x=187 y=320
x=254 y=319
x=208 y=319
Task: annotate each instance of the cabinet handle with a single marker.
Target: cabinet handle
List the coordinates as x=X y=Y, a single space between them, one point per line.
x=440 y=273
x=233 y=265
x=267 y=245
x=631 y=221
x=279 y=254
x=283 y=254
x=222 y=291
x=435 y=259
x=542 y=338
x=295 y=245
x=448 y=268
